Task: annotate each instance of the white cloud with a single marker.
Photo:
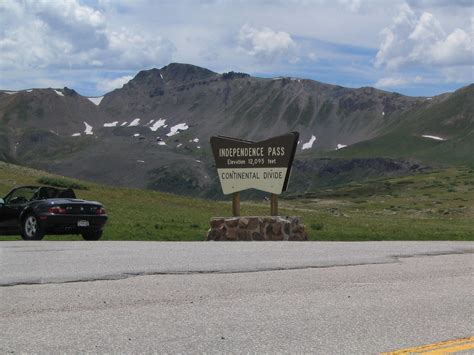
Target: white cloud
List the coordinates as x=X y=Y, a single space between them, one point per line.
x=265 y=44
x=352 y=5
x=68 y=35
x=312 y=56
x=80 y=26
x=441 y=3
x=107 y=85
x=455 y=49
x=415 y=39
x=134 y=50
x=393 y=81
x=458 y=74
x=76 y=43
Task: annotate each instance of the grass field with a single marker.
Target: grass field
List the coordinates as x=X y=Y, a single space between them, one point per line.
x=438 y=205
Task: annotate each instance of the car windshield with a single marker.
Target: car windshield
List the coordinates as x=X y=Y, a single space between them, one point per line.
x=21 y=195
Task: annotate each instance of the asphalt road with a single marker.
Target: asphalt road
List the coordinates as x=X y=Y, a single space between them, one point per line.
x=264 y=297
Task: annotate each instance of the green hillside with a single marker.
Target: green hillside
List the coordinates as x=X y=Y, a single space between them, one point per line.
x=447 y=118
x=451 y=118
x=426 y=206
x=455 y=151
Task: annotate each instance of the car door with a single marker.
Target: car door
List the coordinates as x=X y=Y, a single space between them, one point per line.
x=9 y=214
x=5 y=217
x=10 y=210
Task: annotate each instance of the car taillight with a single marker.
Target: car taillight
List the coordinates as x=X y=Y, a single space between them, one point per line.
x=57 y=210
x=100 y=210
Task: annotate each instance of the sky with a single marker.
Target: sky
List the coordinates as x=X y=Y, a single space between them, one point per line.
x=414 y=47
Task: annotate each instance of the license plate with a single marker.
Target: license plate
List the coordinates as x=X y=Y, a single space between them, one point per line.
x=83 y=223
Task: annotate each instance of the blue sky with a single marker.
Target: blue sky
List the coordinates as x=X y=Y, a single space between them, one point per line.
x=415 y=47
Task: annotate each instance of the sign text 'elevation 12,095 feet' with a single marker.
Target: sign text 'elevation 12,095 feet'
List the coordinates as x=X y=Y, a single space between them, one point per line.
x=264 y=165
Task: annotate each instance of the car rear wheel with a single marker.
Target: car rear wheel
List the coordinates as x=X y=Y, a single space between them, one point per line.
x=92 y=235
x=31 y=228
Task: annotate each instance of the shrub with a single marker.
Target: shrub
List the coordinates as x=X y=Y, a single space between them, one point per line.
x=317 y=226
x=234 y=75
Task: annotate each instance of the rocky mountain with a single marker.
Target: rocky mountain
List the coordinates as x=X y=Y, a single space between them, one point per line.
x=254 y=108
x=154 y=132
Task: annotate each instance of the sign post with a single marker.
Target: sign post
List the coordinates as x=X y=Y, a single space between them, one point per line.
x=236 y=204
x=264 y=166
x=274 y=205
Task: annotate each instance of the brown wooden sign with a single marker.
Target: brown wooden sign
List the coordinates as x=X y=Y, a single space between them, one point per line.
x=264 y=165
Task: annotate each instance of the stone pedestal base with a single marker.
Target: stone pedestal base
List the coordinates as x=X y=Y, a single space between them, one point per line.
x=256 y=228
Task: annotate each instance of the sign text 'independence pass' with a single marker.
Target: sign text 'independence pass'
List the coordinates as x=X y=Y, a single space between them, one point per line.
x=262 y=165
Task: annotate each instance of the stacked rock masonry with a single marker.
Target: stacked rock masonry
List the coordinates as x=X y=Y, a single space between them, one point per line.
x=256 y=228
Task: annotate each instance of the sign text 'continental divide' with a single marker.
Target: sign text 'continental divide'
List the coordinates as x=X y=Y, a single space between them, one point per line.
x=264 y=165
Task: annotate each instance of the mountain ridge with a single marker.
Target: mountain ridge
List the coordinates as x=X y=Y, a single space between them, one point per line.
x=153 y=132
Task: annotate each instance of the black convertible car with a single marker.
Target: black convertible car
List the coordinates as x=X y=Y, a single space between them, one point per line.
x=34 y=211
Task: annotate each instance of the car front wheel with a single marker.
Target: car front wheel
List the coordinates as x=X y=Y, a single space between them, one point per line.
x=92 y=235
x=31 y=228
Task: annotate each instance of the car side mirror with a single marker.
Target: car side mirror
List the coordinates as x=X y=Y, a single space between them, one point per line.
x=2 y=202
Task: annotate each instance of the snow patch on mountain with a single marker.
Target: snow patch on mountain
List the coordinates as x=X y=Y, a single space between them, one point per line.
x=177 y=128
x=158 y=124
x=88 y=130
x=340 y=146
x=96 y=100
x=134 y=123
x=309 y=144
x=75 y=135
x=161 y=143
x=111 y=124
x=433 y=137
x=59 y=92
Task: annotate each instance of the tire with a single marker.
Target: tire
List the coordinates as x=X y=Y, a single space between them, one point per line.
x=31 y=228
x=92 y=235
